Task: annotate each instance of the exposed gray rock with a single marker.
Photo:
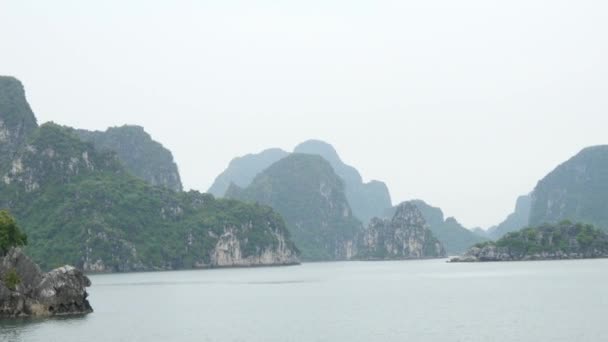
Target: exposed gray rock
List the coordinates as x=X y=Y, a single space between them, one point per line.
x=453 y=236
x=405 y=236
x=58 y=292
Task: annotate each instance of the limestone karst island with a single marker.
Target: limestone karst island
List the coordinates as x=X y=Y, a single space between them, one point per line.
x=297 y=171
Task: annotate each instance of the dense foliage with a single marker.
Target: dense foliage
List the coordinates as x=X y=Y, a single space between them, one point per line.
x=564 y=237
x=308 y=194
x=80 y=206
x=10 y=234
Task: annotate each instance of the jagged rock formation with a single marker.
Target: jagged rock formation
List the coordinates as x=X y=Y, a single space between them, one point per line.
x=142 y=156
x=405 y=236
x=242 y=170
x=26 y=291
x=308 y=194
x=547 y=242
x=515 y=221
x=452 y=235
x=17 y=121
x=576 y=190
x=80 y=205
x=367 y=200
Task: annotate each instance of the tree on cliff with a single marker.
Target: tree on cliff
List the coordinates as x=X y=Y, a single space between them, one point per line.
x=10 y=234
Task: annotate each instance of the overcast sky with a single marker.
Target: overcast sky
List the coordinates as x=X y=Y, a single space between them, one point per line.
x=465 y=104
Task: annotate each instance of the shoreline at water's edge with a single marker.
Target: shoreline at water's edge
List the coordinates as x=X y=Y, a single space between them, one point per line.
x=456 y=260
x=266 y=266
x=208 y=268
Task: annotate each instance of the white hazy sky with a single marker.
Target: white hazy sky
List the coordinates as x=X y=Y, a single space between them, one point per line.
x=465 y=104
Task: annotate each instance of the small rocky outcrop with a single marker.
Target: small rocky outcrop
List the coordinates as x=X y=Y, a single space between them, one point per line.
x=405 y=236
x=547 y=242
x=26 y=291
x=453 y=236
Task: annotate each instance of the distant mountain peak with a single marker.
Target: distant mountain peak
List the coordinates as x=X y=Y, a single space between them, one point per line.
x=366 y=199
x=320 y=147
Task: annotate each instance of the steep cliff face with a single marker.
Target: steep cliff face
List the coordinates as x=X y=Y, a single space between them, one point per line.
x=229 y=252
x=17 y=122
x=576 y=190
x=452 y=235
x=242 y=170
x=405 y=236
x=515 y=221
x=79 y=205
x=367 y=200
x=547 y=242
x=142 y=156
x=308 y=194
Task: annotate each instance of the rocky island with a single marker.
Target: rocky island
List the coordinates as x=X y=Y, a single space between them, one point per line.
x=405 y=236
x=564 y=240
x=25 y=290
x=112 y=201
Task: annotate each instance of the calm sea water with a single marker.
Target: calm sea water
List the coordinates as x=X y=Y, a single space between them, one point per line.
x=428 y=300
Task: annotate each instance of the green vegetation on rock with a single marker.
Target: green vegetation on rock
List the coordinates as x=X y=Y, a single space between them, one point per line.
x=10 y=234
x=80 y=205
x=564 y=240
x=308 y=194
x=12 y=279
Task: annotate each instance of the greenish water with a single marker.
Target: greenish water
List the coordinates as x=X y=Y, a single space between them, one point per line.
x=426 y=300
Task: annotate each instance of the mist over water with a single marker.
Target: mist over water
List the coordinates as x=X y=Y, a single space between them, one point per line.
x=428 y=300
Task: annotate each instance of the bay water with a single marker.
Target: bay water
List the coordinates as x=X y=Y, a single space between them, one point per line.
x=427 y=300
